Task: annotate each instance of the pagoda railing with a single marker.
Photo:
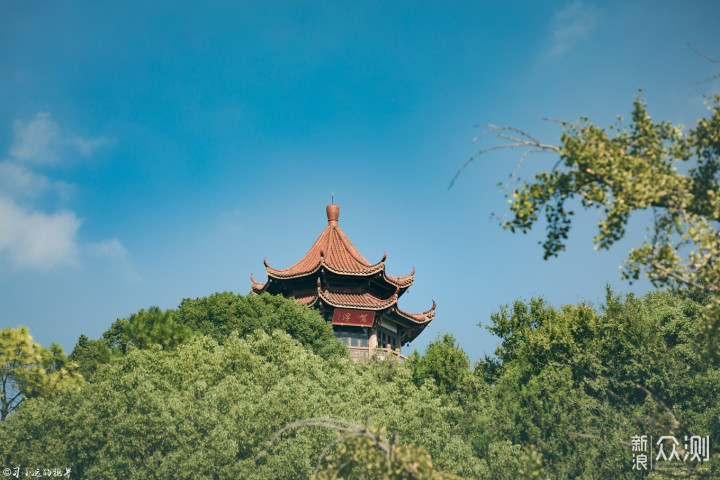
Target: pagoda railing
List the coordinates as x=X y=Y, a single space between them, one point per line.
x=366 y=353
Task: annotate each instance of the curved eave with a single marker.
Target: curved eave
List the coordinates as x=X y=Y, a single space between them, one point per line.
x=419 y=318
x=307 y=297
x=333 y=250
x=287 y=274
x=401 y=282
x=344 y=299
x=257 y=287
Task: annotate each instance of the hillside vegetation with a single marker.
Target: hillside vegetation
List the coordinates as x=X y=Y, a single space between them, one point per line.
x=202 y=392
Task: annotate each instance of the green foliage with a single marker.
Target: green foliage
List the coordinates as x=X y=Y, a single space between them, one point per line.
x=445 y=362
x=625 y=169
x=90 y=354
x=576 y=383
x=372 y=455
x=28 y=370
x=567 y=390
x=222 y=313
x=145 y=414
x=142 y=330
x=362 y=451
x=216 y=316
x=155 y=327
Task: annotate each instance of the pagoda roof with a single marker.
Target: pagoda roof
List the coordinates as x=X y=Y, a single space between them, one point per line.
x=424 y=317
x=333 y=251
x=344 y=298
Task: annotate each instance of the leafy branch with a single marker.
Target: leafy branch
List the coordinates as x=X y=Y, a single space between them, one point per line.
x=364 y=450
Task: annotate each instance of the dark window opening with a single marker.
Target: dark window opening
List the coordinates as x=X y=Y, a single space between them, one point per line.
x=353 y=336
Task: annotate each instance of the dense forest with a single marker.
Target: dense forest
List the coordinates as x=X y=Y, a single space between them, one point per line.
x=234 y=386
x=201 y=391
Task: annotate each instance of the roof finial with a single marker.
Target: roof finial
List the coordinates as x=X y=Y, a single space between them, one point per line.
x=332 y=198
x=333 y=212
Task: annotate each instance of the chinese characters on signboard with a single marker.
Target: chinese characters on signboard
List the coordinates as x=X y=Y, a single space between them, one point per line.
x=358 y=318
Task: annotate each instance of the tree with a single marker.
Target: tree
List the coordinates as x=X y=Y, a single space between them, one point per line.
x=626 y=169
x=145 y=413
x=222 y=313
x=445 y=362
x=216 y=316
x=27 y=370
x=155 y=327
x=363 y=451
x=141 y=330
x=576 y=382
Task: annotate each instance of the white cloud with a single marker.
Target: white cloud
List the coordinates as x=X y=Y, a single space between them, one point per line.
x=572 y=24
x=36 y=141
x=37 y=239
x=108 y=249
x=40 y=141
x=17 y=181
x=30 y=238
x=114 y=251
x=86 y=146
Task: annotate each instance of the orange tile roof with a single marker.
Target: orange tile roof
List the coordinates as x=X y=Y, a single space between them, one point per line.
x=306 y=297
x=424 y=317
x=343 y=298
x=257 y=287
x=334 y=251
x=401 y=282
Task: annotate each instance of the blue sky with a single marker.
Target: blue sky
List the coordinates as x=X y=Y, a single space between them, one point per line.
x=153 y=151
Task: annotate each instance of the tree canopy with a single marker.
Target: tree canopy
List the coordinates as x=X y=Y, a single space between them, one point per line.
x=27 y=370
x=216 y=316
x=563 y=396
x=145 y=414
x=644 y=165
x=444 y=362
x=222 y=313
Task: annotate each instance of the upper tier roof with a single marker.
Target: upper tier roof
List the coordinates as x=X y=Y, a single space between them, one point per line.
x=334 y=251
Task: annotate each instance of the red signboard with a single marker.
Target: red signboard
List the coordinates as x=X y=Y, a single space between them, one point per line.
x=358 y=318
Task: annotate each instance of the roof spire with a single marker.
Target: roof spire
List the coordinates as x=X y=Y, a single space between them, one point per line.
x=333 y=212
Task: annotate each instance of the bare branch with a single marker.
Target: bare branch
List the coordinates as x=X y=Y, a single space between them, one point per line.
x=675 y=424
x=717 y=75
x=709 y=59
x=493 y=128
x=15 y=398
x=351 y=430
x=685 y=281
x=496 y=128
x=613 y=394
x=562 y=122
x=529 y=141
x=330 y=445
x=525 y=143
x=332 y=423
x=489 y=149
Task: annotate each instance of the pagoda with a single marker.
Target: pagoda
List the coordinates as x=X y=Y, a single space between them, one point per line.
x=359 y=298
